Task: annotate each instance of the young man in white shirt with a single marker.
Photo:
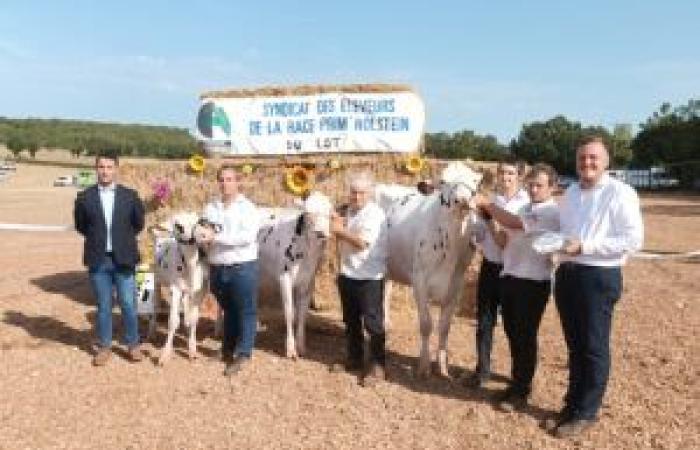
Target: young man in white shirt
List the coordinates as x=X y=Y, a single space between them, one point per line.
x=233 y=258
x=491 y=239
x=362 y=238
x=602 y=222
x=526 y=278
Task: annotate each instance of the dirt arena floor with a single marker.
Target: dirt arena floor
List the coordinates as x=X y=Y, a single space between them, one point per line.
x=52 y=397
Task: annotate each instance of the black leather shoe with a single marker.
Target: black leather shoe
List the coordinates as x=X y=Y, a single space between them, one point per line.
x=551 y=423
x=235 y=366
x=476 y=380
x=510 y=400
x=350 y=366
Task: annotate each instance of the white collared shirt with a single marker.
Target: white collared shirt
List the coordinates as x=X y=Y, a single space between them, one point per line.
x=492 y=252
x=606 y=218
x=237 y=241
x=369 y=223
x=107 y=202
x=519 y=258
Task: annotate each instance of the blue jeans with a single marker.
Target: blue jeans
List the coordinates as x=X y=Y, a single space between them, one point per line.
x=236 y=290
x=102 y=278
x=586 y=297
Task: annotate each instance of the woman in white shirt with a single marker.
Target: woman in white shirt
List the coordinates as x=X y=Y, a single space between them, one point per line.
x=233 y=258
x=362 y=239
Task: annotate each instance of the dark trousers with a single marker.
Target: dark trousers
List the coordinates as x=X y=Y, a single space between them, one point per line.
x=363 y=303
x=236 y=290
x=488 y=298
x=524 y=302
x=585 y=297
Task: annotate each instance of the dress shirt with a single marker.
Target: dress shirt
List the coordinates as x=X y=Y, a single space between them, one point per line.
x=237 y=241
x=107 y=202
x=482 y=236
x=369 y=223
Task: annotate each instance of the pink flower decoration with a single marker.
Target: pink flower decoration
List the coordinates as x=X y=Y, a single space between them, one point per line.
x=161 y=190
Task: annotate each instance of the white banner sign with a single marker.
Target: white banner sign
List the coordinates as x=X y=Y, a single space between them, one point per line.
x=329 y=122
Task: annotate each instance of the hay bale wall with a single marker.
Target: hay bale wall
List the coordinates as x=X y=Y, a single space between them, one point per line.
x=265 y=186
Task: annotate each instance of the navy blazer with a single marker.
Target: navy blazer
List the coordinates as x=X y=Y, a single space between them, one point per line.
x=127 y=221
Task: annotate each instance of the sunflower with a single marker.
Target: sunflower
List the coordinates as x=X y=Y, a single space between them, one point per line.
x=334 y=164
x=414 y=163
x=298 y=180
x=247 y=169
x=196 y=163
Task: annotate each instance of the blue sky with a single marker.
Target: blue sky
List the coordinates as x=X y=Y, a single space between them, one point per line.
x=486 y=66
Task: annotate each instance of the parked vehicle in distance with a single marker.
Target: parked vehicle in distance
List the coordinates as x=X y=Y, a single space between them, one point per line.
x=565 y=181
x=65 y=180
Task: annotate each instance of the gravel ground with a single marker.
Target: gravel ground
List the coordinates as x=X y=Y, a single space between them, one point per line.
x=53 y=398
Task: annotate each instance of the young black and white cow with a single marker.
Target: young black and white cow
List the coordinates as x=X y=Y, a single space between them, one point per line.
x=429 y=248
x=291 y=248
x=181 y=267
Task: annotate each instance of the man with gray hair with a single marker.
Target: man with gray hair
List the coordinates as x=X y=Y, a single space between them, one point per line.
x=362 y=237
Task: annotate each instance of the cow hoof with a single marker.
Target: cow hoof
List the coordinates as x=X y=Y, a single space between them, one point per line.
x=193 y=355
x=163 y=360
x=292 y=355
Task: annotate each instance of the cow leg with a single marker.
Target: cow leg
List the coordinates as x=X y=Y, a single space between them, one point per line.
x=446 y=313
x=153 y=318
x=388 y=285
x=302 y=309
x=192 y=343
x=219 y=322
x=425 y=323
x=287 y=295
x=173 y=322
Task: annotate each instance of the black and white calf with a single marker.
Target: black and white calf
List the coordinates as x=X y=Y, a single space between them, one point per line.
x=181 y=266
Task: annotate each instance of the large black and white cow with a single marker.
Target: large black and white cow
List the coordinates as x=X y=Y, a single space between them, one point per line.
x=291 y=247
x=429 y=249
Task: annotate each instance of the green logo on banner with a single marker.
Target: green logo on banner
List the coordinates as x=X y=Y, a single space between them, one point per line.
x=211 y=116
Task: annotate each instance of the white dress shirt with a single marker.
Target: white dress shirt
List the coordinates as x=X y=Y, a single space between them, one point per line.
x=519 y=258
x=606 y=218
x=107 y=202
x=369 y=223
x=237 y=241
x=482 y=236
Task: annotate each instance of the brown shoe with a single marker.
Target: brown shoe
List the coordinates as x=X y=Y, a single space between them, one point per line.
x=135 y=354
x=376 y=374
x=573 y=427
x=102 y=356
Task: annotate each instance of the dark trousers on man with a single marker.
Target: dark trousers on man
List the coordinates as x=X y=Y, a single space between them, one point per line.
x=523 y=303
x=585 y=297
x=488 y=300
x=235 y=287
x=363 y=304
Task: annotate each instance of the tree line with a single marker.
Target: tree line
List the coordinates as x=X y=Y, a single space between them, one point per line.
x=90 y=138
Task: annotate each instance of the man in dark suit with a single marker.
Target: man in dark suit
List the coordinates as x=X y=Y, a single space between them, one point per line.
x=110 y=216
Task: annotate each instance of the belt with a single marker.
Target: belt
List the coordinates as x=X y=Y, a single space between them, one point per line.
x=109 y=254
x=230 y=266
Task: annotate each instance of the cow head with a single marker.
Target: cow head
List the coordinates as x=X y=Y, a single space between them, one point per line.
x=204 y=230
x=316 y=215
x=458 y=183
x=183 y=226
